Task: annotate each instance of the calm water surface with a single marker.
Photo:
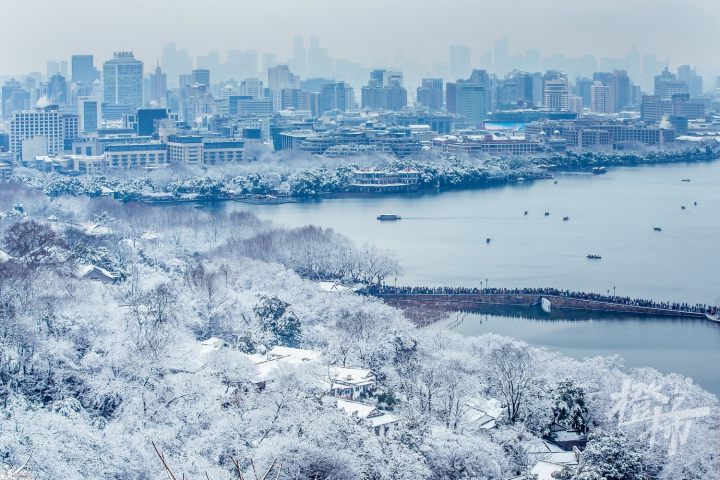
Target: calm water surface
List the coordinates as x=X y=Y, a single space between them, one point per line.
x=441 y=241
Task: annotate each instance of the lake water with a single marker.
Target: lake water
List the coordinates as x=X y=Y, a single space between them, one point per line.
x=441 y=240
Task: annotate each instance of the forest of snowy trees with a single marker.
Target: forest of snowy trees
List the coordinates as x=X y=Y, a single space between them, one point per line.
x=299 y=175
x=127 y=338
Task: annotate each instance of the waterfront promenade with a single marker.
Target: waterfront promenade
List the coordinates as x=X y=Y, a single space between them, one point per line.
x=466 y=299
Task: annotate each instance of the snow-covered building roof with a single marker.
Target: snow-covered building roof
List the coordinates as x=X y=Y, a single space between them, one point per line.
x=340 y=377
x=551 y=459
x=367 y=412
x=96 y=229
x=279 y=358
x=483 y=412
x=97 y=273
x=4 y=257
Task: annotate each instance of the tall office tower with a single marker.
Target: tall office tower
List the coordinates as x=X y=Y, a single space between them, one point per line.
x=175 y=61
x=252 y=87
x=299 y=61
x=501 y=54
x=51 y=68
x=621 y=91
x=201 y=76
x=583 y=90
x=667 y=84
x=319 y=63
x=13 y=97
x=36 y=132
x=243 y=63
x=688 y=75
x=601 y=98
x=158 y=87
x=430 y=94
x=83 y=69
x=280 y=77
x=211 y=61
x=482 y=78
x=89 y=114
x=555 y=91
x=335 y=96
x=123 y=81
x=459 y=61
x=471 y=102
x=384 y=91
x=57 y=89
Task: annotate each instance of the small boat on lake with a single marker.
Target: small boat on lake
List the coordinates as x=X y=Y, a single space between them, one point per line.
x=592 y=256
x=547 y=214
x=682 y=207
x=525 y=212
x=657 y=229
x=599 y=170
x=695 y=203
x=685 y=180
x=565 y=219
x=388 y=217
x=488 y=240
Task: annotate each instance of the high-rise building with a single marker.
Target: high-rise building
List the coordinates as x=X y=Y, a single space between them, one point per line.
x=582 y=89
x=201 y=76
x=471 y=102
x=148 y=120
x=335 y=96
x=555 y=91
x=280 y=77
x=83 y=69
x=459 y=61
x=621 y=90
x=384 y=91
x=89 y=113
x=123 y=81
x=694 y=81
x=13 y=98
x=601 y=98
x=319 y=63
x=158 y=87
x=430 y=94
x=57 y=89
x=299 y=61
x=36 y=132
x=667 y=85
x=252 y=87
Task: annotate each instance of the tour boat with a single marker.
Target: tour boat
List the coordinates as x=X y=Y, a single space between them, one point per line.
x=388 y=216
x=657 y=229
x=593 y=256
x=565 y=219
x=685 y=179
x=598 y=170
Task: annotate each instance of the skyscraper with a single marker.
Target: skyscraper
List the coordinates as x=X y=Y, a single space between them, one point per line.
x=430 y=94
x=123 y=80
x=57 y=89
x=158 y=87
x=688 y=75
x=459 y=61
x=201 y=76
x=89 y=113
x=555 y=91
x=601 y=98
x=83 y=69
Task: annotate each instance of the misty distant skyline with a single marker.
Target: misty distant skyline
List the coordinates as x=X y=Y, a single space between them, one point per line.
x=373 y=32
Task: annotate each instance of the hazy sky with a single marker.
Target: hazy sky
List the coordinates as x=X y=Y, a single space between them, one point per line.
x=33 y=31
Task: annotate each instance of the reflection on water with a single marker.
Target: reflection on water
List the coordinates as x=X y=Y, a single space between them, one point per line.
x=686 y=346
